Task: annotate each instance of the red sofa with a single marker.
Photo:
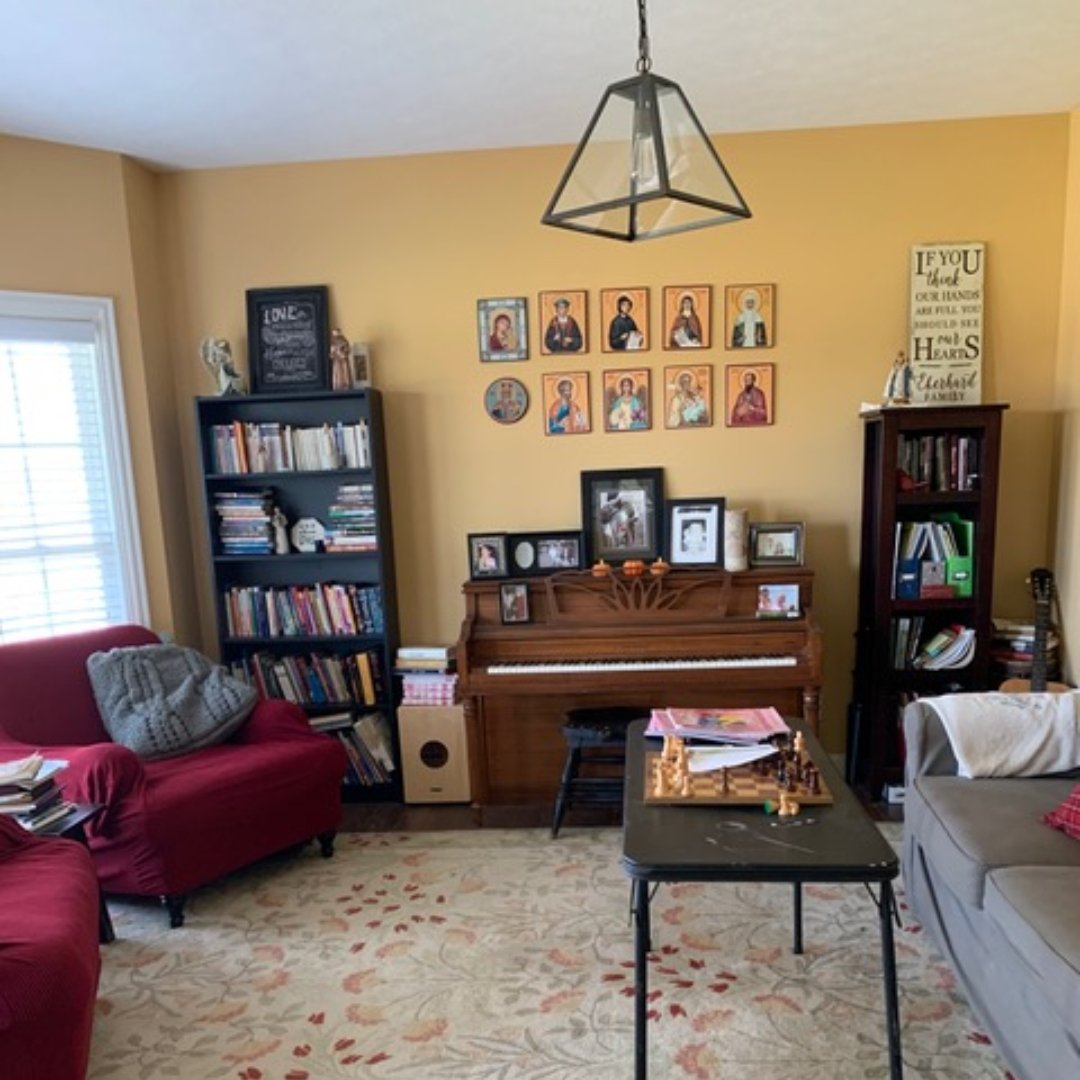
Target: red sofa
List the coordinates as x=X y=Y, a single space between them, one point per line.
x=173 y=824
x=49 y=959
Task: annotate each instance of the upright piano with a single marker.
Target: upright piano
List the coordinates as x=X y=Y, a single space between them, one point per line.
x=686 y=638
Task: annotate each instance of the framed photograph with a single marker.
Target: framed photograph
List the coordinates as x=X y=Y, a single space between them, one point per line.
x=514 y=602
x=506 y=400
x=622 y=512
x=626 y=399
x=502 y=328
x=566 y=403
x=748 y=394
x=687 y=316
x=688 y=396
x=776 y=543
x=778 y=602
x=624 y=319
x=695 y=532
x=487 y=555
x=360 y=365
x=564 y=318
x=749 y=316
x=543 y=552
x=288 y=339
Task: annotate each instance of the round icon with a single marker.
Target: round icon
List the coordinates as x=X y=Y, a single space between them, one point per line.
x=506 y=401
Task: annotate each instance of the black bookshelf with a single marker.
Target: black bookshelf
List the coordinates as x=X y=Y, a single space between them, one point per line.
x=305 y=492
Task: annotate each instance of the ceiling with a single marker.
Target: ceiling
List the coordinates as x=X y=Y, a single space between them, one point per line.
x=200 y=83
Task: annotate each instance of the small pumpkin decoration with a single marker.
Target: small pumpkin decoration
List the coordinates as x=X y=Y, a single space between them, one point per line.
x=600 y=568
x=633 y=568
x=659 y=568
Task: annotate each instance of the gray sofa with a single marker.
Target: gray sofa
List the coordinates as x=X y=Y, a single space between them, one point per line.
x=999 y=891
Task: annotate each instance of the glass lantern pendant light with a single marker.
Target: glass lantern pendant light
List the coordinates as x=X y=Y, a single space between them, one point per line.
x=645 y=166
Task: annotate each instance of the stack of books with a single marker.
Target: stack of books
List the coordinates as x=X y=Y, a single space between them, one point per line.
x=951 y=647
x=1012 y=650
x=351 y=517
x=737 y=726
x=427 y=674
x=29 y=793
x=245 y=525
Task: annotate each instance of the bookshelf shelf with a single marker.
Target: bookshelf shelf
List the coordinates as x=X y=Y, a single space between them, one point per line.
x=926 y=568
x=348 y=590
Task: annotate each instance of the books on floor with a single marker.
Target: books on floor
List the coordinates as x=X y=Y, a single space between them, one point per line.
x=739 y=726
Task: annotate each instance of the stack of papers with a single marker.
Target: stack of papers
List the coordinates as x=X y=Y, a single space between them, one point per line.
x=743 y=727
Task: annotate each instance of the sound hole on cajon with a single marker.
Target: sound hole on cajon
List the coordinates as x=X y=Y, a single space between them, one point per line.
x=434 y=754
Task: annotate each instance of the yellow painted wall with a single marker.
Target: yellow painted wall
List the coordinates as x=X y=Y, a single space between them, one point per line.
x=82 y=221
x=407 y=246
x=1066 y=557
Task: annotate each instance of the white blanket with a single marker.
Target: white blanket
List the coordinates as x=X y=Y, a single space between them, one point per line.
x=1011 y=734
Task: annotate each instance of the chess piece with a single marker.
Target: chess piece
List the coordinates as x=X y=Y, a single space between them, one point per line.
x=800 y=744
x=340 y=366
x=216 y=354
x=724 y=780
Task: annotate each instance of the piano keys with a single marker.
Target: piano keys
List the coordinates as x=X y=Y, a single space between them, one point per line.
x=689 y=638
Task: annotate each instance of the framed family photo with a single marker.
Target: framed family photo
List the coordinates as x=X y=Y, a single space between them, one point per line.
x=502 y=328
x=622 y=512
x=514 y=602
x=776 y=543
x=750 y=316
x=749 y=395
x=624 y=319
x=566 y=403
x=778 y=602
x=487 y=555
x=626 y=399
x=564 y=322
x=695 y=532
x=687 y=316
x=544 y=552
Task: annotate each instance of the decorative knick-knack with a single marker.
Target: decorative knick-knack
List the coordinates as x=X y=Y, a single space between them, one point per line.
x=735 y=539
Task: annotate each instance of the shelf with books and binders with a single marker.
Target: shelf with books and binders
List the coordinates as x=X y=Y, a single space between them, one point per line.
x=930 y=477
x=298 y=522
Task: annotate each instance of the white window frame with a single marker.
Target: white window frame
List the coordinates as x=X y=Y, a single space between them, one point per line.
x=98 y=313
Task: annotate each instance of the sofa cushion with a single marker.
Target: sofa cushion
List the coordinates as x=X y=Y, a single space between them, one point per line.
x=1035 y=908
x=1066 y=817
x=968 y=827
x=165 y=700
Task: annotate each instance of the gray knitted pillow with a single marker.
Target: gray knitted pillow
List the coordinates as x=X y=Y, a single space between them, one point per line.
x=164 y=700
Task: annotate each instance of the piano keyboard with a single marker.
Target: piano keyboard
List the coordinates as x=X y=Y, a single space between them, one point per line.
x=586 y=667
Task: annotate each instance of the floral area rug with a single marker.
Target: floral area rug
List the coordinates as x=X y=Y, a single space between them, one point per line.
x=505 y=955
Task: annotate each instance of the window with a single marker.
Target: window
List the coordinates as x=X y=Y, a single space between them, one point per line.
x=69 y=544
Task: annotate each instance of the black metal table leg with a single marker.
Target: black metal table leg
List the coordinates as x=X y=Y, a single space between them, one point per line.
x=797 y=908
x=642 y=933
x=886 y=913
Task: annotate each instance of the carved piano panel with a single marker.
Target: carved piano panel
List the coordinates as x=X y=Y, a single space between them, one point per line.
x=619 y=641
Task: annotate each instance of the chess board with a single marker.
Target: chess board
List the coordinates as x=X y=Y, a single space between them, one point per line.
x=745 y=788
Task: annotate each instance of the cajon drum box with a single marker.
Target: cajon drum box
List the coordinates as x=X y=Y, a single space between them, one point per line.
x=434 y=753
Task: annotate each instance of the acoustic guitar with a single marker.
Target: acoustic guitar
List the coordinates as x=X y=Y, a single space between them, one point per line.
x=1042 y=592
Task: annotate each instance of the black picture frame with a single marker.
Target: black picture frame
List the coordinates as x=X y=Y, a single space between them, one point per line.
x=537 y=553
x=514 y=602
x=289 y=339
x=622 y=514
x=487 y=556
x=695 y=531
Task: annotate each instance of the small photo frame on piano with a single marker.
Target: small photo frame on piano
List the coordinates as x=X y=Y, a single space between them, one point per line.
x=695 y=529
x=514 y=602
x=487 y=556
x=776 y=543
x=544 y=552
x=778 y=602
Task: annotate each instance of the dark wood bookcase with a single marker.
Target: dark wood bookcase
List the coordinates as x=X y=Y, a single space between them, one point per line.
x=922 y=466
x=308 y=493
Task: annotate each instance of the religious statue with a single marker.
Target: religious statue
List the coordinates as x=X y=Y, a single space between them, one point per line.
x=217 y=356
x=340 y=361
x=898 y=384
x=281 y=537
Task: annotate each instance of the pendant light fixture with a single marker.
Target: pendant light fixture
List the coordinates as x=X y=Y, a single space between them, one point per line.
x=645 y=166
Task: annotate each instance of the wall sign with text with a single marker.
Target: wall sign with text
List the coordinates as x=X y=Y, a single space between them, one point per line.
x=946 y=338
x=288 y=339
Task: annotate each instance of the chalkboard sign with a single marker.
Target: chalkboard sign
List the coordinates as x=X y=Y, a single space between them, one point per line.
x=288 y=339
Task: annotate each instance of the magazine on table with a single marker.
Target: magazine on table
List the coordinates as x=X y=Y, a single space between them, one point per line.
x=741 y=726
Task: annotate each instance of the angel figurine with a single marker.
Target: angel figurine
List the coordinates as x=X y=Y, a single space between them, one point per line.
x=217 y=356
x=898 y=384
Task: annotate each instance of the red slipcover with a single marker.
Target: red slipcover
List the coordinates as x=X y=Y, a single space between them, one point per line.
x=49 y=960
x=173 y=824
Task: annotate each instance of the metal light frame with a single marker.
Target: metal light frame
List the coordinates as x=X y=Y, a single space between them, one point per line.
x=636 y=211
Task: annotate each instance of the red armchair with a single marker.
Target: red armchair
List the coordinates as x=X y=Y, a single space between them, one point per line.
x=49 y=959
x=173 y=824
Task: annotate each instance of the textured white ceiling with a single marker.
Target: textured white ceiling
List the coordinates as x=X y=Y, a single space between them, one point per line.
x=196 y=83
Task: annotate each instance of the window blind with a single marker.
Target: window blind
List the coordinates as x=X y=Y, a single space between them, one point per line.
x=69 y=555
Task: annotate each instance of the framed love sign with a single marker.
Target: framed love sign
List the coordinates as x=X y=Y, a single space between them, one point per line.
x=288 y=339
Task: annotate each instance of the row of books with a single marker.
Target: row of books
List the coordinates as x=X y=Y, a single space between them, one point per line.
x=320 y=610
x=736 y=726
x=915 y=647
x=932 y=559
x=427 y=674
x=29 y=793
x=314 y=678
x=367 y=742
x=351 y=519
x=944 y=462
x=245 y=521
x=240 y=448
